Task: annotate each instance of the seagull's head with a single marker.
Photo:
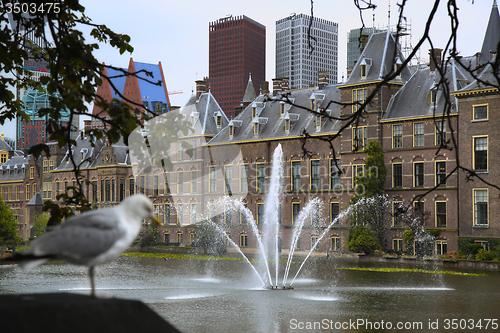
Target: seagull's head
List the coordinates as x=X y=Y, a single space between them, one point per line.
x=140 y=206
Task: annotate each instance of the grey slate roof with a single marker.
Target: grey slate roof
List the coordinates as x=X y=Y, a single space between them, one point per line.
x=12 y=169
x=414 y=98
x=380 y=56
x=5 y=146
x=492 y=35
x=273 y=124
x=204 y=111
x=36 y=200
x=485 y=80
x=250 y=94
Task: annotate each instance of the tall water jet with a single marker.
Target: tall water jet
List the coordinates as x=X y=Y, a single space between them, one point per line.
x=272 y=205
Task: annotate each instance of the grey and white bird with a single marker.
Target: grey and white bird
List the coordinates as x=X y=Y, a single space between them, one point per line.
x=92 y=238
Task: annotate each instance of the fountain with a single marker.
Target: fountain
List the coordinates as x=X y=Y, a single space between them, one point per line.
x=269 y=244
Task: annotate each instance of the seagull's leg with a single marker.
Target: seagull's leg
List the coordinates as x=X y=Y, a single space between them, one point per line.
x=92 y=285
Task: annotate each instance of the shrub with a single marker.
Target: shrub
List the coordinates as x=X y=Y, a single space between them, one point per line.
x=474 y=248
x=361 y=239
x=483 y=255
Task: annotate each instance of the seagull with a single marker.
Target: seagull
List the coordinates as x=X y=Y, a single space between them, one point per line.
x=92 y=238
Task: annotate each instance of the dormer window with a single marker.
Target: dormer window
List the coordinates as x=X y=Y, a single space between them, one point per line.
x=363 y=71
x=365 y=67
x=287 y=125
x=231 y=131
x=219 y=120
x=282 y=109
x=318 y=121
x=255 y=128
x=254 y=112
x=433 y=96
x=397 y=66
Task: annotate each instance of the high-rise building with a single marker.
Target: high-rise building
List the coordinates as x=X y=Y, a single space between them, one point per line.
x=294 y=57
x=356 y=42
x=237 y=49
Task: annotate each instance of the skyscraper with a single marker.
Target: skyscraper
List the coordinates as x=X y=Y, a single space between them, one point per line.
x=294 y=58
x=356 y=42
x=237 y=49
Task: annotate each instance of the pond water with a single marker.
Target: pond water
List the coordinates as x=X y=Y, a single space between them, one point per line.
x=225 y=296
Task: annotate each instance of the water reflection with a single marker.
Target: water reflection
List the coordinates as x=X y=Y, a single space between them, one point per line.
x=223 y=296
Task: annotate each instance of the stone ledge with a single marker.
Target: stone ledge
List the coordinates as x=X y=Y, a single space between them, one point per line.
x=66 y=312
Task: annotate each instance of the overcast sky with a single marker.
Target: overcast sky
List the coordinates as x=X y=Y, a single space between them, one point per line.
x=176 y=32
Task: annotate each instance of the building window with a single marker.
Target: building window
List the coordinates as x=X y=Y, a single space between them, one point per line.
x=131 y=186
x=397 y=213
x=231 y=131
x=45 y=166
x=334 y=174
x=94 y=190
x=441 y=173
x=255 y=128
x=179 y=238
x=481 y=207
x=107 y=190
x=480 y=112
x=335 y=244
x=358 y=98
x=3 y=157
x=358 y=138
x=228 y=178
x=166 y=215
x=254 y=112
x=440 y=132
x=314 y=243
x=219 y=121
x=418 y=174
x=441 y=248
x=481 y=153
x=166 y=238
x=180 y=214
x=282 y=109
x=213 y=180
x=397 y=245
x=287 y=125
x=122 y=189
x=397 y=175
x=433 y=96
x=142 y=185
x=397 y=136
x=32 y=172
x=193 y=182
x=47 y=190
x=155 y=185
x=441 y=214
x=363 y=71
x=260 y=213
x=18 y=191
x=261 y=178
x=295 y=212
x=357 y=171
x=180 y=182
x=243 y=240
x=51 y=165
x=295 y=175
x=315 y=179
x=244 y=178
x=334 y=211
x=418 y=135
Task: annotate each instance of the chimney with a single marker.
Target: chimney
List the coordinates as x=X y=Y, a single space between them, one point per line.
x=434 y=58
x=322 y=79
x=265 y=87
x=284 y=84
x=201 y=87
x=87 y=126
x=276 y=86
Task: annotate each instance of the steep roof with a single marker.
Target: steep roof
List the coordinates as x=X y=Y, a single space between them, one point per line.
x=153 y=92
x=414 y=98
x=491 y=36
x=486 y=79
x=5 y=146
x=117 y=78
x=202 y=113
x=12 y=169
x=250 y=94
x=272 y=122
x=380 y=57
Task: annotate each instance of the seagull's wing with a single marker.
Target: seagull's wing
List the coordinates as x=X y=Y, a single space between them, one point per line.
x=83 y=236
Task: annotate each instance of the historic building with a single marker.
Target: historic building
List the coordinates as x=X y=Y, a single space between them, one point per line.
x=294 y=59
x=237 y=49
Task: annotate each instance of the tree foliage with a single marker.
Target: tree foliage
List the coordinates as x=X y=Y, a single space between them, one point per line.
x=209 y=238
x=8 y=226
x=361 y=239
x=40 y=225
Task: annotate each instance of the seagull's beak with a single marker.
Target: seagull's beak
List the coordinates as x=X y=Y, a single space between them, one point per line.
x=156 y=221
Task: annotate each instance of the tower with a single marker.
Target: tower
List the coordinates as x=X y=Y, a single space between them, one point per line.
x=294 y=58
x=237 y=47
